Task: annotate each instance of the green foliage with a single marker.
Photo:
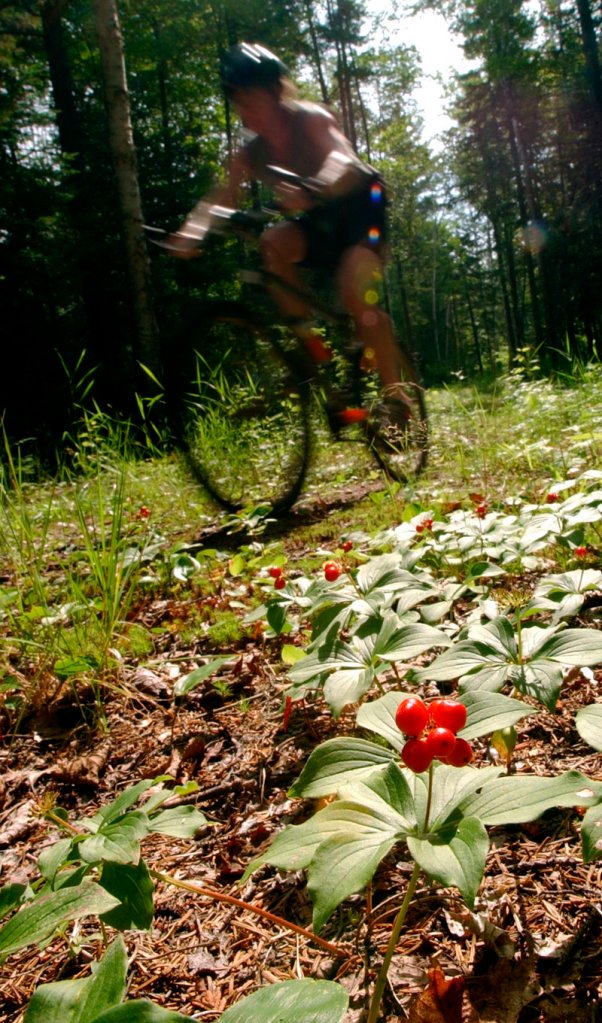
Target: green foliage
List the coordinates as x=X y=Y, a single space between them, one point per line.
x=292 y=1001
x=107 y=846
x=101 y=998
x=442 y=816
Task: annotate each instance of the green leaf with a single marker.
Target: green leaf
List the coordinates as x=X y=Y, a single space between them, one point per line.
x=134 y=888
x=276 y=616
x=588 y=722
x=452 y=789
x=178 y=821
x=118 y=842
x=46 y=914
x=140 y=1011
x=291 y=1001
x=402 y=643
x=591 y=834
x=108 y=814
x=189 y=682
x=541 y=679
x=463 y=659
x=379 y=716
x=490 y=712
x=343 y=865
x=292 y=848
x=458 y=861
x=81 y=1001
x=335 y=762
x=347 y=685
x=581 y=647
x=75 y=666
x=383 y=573
x=518 y=799
x=53 y=857
x=11 y=897
x=356 y=834
x=290 y=654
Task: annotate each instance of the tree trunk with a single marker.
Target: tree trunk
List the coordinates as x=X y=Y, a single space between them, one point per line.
x=590 y=48
x=123 y=155
x=99 y=310
x=315 y=49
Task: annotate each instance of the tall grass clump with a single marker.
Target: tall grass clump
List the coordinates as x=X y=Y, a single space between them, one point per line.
x=72 y=554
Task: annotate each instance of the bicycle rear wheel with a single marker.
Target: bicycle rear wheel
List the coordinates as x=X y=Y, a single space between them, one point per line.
x=395 y=424
x=244 y=415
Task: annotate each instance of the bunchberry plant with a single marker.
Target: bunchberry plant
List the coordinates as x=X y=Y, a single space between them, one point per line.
x=440 y=812
x=98 y=868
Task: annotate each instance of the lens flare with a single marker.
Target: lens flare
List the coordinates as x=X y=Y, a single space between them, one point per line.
x=373 y=235
x=376 y=192
x=533 y=237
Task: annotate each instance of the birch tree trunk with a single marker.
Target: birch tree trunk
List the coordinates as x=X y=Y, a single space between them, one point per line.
x=123 y=154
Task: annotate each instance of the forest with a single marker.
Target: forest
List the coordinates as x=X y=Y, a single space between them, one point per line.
x=113 y=116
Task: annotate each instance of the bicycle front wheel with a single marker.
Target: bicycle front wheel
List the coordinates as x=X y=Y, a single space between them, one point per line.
x=395 y=424
x=244 y=415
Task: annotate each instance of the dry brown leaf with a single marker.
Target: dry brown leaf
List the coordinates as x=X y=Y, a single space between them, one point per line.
x=20 y=824
x=84 y=770
x=441 y=1000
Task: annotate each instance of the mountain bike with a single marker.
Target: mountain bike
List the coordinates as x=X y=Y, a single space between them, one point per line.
x=250 y=396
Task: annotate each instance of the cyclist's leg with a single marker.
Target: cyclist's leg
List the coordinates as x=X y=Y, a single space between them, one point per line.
x=360 y=281
x=283 y=248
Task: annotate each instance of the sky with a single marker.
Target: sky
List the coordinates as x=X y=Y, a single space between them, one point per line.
x=439 y=52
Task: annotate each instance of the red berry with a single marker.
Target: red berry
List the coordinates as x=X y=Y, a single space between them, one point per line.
x=332 y=571
x=279 y=582
x=448 y=714
x=461 y=755
x=412 y=716
x=581 y=552
x=347 y=545
x=416 y=755
x=275 y=571
x=440 y=742
x=552 y=497
x=143 y=512
x=481 y=510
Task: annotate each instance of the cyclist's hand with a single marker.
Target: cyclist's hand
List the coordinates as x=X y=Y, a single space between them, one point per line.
x=182 y=246
x=293 y=198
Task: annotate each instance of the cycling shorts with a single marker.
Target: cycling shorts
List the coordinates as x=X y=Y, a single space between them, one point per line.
x=356 y=219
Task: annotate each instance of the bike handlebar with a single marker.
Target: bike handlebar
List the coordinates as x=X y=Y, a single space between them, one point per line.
x=224 y=220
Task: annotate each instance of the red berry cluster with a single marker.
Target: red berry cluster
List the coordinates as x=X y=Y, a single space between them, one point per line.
x=332 y=571
x=424 y=524
x=276 y=573
x=431 y=731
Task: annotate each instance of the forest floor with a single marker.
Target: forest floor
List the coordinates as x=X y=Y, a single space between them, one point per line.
x=529 y=953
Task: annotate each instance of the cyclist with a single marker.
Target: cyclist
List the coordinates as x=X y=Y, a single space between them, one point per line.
x=337 y=223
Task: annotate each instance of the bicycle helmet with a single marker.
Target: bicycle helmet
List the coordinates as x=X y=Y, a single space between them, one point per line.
x=249 y=66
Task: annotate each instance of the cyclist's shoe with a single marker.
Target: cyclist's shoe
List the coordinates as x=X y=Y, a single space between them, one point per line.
x=340 y=414
x=390 y=423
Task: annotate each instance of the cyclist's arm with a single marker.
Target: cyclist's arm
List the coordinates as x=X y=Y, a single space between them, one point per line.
x=186 y=240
